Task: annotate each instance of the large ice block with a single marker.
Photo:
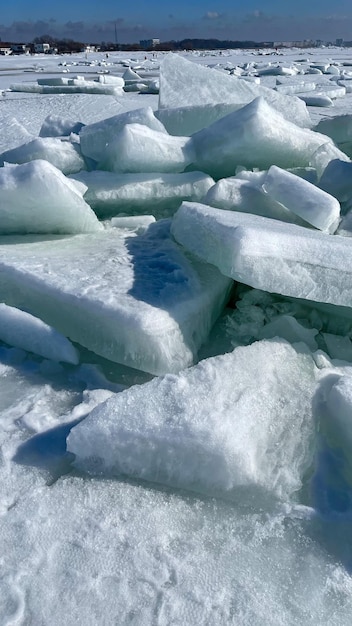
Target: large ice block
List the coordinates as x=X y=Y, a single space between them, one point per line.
x=230 y=426
x=138 y=148
x=137 y=300
x=192 y=84
x=187 y=120
x=336 y=179
x=37 y=198
x=57 y=126
x=255 y=136
x=268 y=254
x=109 y=193
x=95 y=137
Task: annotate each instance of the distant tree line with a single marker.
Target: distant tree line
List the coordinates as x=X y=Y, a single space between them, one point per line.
x=61 y=45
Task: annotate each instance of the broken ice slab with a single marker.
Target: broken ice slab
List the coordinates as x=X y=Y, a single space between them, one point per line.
x=256 y=136
x=63 y=154
x=57 y=126
x=231 y=426
x=136 y=300
x=110 y=193
x=237 y=194
x=192 y=84
x=187 y=120
x=95 y=137
x=37 y=198
x=312 y=204
x=22 y=330
x=268 y=254
x=138 y=149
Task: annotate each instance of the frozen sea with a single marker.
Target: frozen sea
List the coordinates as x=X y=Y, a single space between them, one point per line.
x=220 y=495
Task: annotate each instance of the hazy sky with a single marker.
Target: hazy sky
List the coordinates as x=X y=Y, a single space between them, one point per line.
x=95 y=21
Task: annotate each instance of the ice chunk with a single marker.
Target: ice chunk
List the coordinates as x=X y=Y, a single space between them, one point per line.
x=324 y=155
x=136 y=300
x=316 y=100
x=267 y=254
x=338 y=347
x=189 y=83
x=288 y=328
x=139 y=223
x=109 y=193
x=95 y=137
x=189 y=119
x=312 y=204
x=228 y=426
x=37 y=198
x=138 y=148
x=56 y=126
x=336 y=179
x=66 y=156
x=22 y=330
x=236 y=194
x=339 y=128
x=254 y=136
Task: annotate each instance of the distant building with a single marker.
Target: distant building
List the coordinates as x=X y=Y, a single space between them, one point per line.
x=19 y=48
x=41 y=47
x=339 y=42
x=5 y=49
x=149 y=43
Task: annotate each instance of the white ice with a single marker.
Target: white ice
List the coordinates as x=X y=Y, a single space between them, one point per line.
x=255 y=136
x=218 y=444
x=136 y=300
x=95 y=137
x=267 y=254
x=37 y=198
x=22 y=330
x=182 y=80
x=110 y=193
x=312 y=204
x=138 y=148
x=63 y=154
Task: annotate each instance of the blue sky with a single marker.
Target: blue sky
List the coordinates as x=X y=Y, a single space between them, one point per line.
x=93 y=21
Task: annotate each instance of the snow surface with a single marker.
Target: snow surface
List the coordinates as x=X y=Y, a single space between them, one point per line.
x=244 y=517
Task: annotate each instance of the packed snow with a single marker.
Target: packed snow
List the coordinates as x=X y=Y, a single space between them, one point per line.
x=176 y=338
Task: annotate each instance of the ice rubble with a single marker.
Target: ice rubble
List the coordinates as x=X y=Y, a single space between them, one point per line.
x=112 y=539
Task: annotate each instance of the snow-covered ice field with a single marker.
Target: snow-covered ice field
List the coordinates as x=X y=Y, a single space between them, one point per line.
x=176 y=339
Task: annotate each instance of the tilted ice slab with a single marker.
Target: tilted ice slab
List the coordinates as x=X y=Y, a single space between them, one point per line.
x=228 y=424
x=187 y=120
x=136 y=300
x=269 y=255
x=237 y=194
x=63 y=154
x=138 y=148
x=187 y=82
x=339 y=128
x=255 y=136
x=95 y=137
x=109 y=193
x=22 y=330
x=312 y=204
x=37 y=198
